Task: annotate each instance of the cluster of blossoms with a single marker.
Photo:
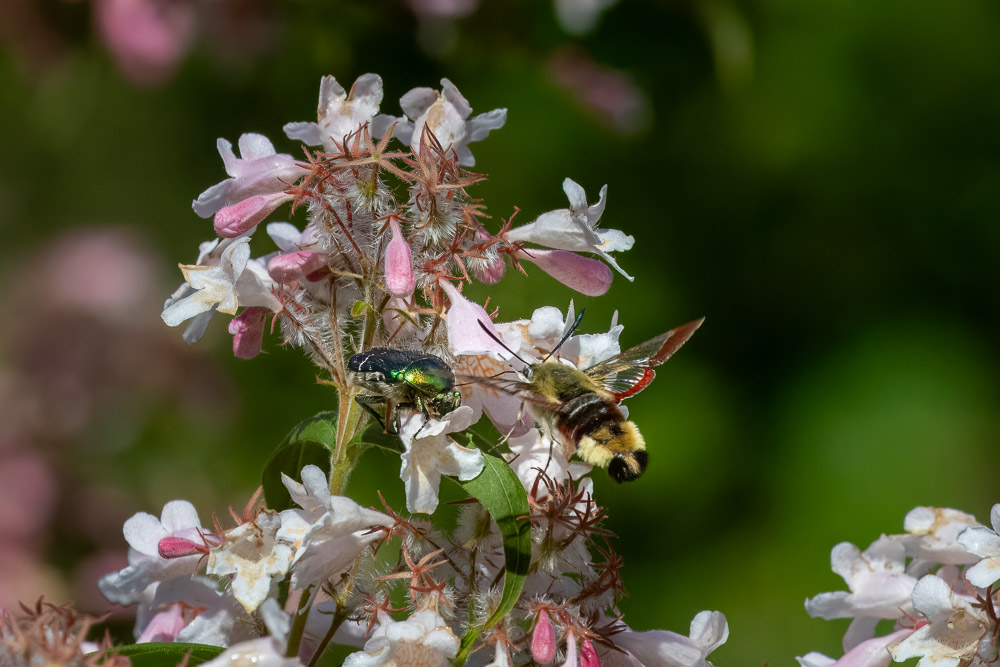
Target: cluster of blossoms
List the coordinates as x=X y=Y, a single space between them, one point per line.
x=934 y=585
x=371 y=270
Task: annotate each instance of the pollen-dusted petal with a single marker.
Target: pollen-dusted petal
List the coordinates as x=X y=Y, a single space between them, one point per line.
x=399 y=278
x=984 y=573
x=585 y=275
x=253 y=555
x=214 y=286
x=934 y=532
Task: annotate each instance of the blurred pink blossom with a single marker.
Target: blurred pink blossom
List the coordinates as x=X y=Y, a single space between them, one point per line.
x=147 y=38
x=608 y=94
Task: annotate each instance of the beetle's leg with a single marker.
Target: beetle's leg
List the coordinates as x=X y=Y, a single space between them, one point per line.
x=427 y=415
x=366 y=402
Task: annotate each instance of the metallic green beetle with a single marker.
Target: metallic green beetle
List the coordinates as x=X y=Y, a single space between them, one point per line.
x=406 y=378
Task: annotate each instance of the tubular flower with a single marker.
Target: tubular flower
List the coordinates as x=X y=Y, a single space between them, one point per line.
x=371 y=286
x=258 y=171
x=575 y=228
x=445 y=116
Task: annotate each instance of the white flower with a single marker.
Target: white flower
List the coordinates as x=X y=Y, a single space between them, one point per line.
x=340 y=114
x=220 y=620
x=934 y=535
x=430 y=453
x=986 y=543
x=871 y=653
x=261 y=652
x=259 y=170
x=143 y=532
x=661 y=648
x=880 y=587
x=954 y=632
x=422 y=640
x=575 y=229
x=210 y=287
x=328 y=533
x=253 y=554
x=534 y=454
x=445 y=115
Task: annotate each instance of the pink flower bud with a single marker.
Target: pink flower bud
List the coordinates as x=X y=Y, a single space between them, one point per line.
x=399 y=278
x=543 y=640
x=587 y=276
x=248 y=333
x=294 y=265
x=178 y=547
x=588 y=655
x=238 y=219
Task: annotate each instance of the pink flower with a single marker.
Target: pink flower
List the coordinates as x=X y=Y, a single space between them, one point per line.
x=399 y=278
x=575 y=228
x=165 y=626
x=259 y=171
x=242 y=217
x=248 y=332
x=147 y=38
x=585 y=275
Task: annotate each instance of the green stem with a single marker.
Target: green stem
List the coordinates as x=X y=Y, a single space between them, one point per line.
x=299 y=623
x=348 y=418
x=338 y=618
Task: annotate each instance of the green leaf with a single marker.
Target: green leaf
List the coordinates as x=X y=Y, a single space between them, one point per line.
x=157 y=654
x=375 y=436
x=311 y=442
x=501 y=493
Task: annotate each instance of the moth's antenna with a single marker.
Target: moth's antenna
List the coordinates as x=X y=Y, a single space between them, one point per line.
x=501 y=343
x=565 y=337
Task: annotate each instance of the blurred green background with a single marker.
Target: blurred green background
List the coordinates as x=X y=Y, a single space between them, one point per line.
x=820 y=180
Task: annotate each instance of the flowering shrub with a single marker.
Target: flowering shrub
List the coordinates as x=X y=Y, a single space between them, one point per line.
x=934 y=585
x=371 y=289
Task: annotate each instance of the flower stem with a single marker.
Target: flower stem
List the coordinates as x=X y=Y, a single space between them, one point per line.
x=338 y=618
x=349 y=417
x=299 y=623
